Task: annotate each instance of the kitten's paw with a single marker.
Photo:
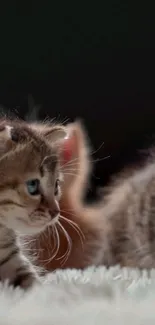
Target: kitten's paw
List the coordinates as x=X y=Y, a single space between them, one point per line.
x=26 y=280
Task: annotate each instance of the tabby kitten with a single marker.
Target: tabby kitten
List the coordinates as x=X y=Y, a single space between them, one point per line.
x=120 y=229
x=29 y=194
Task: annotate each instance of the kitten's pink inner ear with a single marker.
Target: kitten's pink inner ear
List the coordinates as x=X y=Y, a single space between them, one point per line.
x=67 y=150
x=68 y=147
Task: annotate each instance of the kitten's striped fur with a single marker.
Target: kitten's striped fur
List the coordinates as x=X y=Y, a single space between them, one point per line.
x=14 y=266
x=25 y=155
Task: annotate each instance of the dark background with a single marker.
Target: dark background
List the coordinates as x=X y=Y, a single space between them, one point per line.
x=93 y=60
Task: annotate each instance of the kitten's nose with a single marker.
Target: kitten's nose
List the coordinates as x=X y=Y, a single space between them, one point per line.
x=54 y=210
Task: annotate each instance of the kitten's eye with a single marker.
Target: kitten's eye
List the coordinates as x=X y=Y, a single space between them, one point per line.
x=56 y=187
x=33 y=186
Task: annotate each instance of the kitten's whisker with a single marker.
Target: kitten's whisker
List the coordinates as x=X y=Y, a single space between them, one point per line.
x=58 y=241
x=67 y=237
x=42 y=237
x=74 y=172
x=26 y=245
x=75 y=227
x=70 y=162
x=69 y=241
x=51 y=248
x=54 y=238
x=64 y=255
x=71 y=174
x=70 y=212
x=95 y=151
x=28 y=241
x=55 y=231
x=72 y=168
x=99 y=159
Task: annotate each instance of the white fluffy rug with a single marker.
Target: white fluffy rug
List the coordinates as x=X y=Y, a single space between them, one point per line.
x=93 y=297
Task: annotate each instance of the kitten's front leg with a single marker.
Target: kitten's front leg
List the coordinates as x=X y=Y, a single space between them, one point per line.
x=19 y=271
x=16 y=268
x=25 y=274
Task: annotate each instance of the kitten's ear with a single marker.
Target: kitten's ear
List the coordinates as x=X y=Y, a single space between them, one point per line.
x=53 y=133
x=74 y=142
x=75 y=155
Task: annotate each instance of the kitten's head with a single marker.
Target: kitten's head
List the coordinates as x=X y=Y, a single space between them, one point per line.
x=74 y=154
x=30 y=177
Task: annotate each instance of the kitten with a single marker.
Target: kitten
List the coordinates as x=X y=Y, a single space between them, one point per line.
x=120 y=229
x=77 y=235
x=29 y=193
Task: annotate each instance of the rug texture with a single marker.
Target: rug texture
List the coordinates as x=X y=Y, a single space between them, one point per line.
x=96 y=296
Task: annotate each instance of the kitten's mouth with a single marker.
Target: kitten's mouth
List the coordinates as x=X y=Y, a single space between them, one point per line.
x=30 y=224
x=54 y=220
x=40 y=223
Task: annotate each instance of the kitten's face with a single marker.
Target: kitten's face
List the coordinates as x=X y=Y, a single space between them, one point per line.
x=75 y=153
x=29 y=180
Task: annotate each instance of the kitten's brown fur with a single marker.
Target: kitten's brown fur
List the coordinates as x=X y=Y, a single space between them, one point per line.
x=26 y=157
x=119 y=229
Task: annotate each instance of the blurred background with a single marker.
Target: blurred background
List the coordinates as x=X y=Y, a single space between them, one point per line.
x=93 y=60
